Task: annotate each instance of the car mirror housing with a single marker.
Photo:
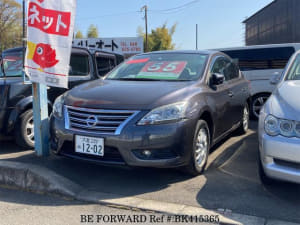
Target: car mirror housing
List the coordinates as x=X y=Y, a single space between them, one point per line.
x=275 y=78
x=217 y=79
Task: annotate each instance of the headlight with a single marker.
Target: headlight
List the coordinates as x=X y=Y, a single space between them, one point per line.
x=58 y=107
x=165 y=114
x=297 y=129
x=271 y=125
x=287 y=128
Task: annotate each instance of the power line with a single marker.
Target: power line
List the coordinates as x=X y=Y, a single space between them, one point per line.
x=161 y=11
x=175 y=9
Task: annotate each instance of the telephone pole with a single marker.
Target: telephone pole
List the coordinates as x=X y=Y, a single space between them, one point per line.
x=146 y=25
x=196 y=36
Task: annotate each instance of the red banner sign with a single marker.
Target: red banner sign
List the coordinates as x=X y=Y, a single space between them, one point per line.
x=49 y=21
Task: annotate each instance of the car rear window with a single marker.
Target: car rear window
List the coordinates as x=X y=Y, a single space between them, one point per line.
x=79 y=65
x=13 y=64
x=161 y=66
x=263 y=58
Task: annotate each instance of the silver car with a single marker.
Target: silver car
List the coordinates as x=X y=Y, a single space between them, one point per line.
x=279 y=128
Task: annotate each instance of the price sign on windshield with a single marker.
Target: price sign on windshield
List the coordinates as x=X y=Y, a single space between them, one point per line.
x=162 y=70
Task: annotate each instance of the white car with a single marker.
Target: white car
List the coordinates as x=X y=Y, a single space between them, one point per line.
x=258 y=64
x=279 y=128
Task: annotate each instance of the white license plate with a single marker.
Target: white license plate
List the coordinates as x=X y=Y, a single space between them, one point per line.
x=89 y=145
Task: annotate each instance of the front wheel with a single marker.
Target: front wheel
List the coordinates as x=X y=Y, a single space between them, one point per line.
x=258 y=102
x=24 y=130
x=200 y=151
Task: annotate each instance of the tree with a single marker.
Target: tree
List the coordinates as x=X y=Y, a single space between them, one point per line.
x=92 y=31
x=78 y=35
x=160 y=38
x=10 y=24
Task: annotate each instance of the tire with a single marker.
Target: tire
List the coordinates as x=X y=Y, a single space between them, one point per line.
x=257 y=102
x=262 y=175
x=24 y=130
x=200 y=151
x=243 y=128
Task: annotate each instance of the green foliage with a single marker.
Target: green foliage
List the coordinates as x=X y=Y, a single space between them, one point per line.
x=92 y=31
x=160 y=38
x=78 y=35
x=10 y=24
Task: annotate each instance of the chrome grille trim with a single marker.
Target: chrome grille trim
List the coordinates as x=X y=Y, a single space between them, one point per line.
x=110 y=122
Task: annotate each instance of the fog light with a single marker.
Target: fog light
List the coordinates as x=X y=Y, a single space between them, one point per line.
x=268 y=160
x=147 y=153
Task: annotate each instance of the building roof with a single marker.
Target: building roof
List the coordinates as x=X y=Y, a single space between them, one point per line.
x=246 y=20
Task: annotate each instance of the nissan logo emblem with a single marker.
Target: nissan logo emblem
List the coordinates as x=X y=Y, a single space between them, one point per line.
x=92 y=121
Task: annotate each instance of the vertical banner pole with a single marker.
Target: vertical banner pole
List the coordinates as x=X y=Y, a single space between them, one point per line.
x=50 y=28
x=40 y=117
x=196 y=36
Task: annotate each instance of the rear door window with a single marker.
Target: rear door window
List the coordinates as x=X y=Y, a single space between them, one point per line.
x=79 y=65
x=231 y=71
x=262 y=59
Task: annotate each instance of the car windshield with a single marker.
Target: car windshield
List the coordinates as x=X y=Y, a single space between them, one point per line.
x=294 y=72
x=161 y=66
x=13 y=63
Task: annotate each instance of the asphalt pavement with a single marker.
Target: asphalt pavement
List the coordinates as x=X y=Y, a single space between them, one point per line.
x=230 y=181
x=18 y=207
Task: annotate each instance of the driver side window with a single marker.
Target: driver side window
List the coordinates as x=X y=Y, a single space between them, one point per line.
x=219 y=65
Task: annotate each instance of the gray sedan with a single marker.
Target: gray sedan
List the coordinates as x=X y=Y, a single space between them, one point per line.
x=159 y=109
x=279 y=128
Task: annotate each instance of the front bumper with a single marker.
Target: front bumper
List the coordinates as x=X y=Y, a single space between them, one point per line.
x=280 y=157
x=170 y=144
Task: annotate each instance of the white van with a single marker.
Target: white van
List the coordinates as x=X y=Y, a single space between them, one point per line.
x=258 y=63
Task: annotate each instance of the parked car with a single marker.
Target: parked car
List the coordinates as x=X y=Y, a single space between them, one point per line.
x=279 y=128
x=16 y=116
x=167 y=109
x=258 y=64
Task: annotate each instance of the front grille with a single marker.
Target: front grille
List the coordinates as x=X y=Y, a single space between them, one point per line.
x=97 y=121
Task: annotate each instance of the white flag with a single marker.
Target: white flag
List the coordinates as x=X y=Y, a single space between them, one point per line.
x=50 y=26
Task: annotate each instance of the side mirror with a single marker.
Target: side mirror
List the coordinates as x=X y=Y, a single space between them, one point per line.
x=217 y=79
x=275 y=78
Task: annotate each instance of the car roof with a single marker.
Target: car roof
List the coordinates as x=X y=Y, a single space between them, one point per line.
x=205 y=52
x=78 y=50
x=13 y=50
x=296 y=45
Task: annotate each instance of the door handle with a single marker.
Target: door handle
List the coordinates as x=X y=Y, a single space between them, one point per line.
x=230 y=94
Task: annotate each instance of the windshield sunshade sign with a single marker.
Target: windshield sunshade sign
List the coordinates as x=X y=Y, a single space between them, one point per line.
x=162 y=70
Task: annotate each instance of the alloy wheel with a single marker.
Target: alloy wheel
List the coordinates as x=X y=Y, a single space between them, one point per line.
x=246 y=118
x=30 y=130
x=258 y=104
x=201 y=150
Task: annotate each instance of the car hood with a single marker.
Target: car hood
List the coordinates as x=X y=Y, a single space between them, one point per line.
x=141 y=95
x=284 y=103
